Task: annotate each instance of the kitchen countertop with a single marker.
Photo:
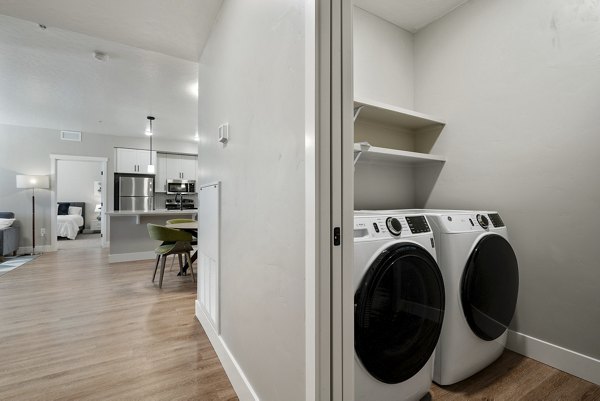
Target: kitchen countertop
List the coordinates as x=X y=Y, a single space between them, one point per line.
x=157 y=212
x=127 y=231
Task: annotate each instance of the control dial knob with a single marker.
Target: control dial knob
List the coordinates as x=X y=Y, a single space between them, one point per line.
x=393 y=225
x=483 y=221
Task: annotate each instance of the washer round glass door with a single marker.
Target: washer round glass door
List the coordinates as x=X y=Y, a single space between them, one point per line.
x=398 y=313
x=490 y=286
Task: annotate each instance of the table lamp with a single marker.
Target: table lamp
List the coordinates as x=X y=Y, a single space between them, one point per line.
x=33 y=182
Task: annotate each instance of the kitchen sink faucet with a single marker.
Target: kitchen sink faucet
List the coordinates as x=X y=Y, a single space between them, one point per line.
x=180 y=200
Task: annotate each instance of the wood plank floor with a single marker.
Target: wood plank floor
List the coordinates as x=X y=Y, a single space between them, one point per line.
x=73 y=327
x=514 y=377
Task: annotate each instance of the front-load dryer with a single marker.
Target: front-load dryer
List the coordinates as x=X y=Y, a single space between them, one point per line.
x=481 y=277
x=398 y=307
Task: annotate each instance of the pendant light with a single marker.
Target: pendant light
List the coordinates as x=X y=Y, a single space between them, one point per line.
x=150 y=132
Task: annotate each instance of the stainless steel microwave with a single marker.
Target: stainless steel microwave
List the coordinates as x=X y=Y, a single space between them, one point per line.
x=181 y=187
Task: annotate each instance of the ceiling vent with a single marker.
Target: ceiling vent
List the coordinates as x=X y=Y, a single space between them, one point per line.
x=74 y=136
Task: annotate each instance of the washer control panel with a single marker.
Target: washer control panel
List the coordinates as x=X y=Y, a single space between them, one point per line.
x=395 y=226
x=417 y=224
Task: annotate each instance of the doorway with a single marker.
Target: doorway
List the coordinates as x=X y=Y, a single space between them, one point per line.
x=78 y=194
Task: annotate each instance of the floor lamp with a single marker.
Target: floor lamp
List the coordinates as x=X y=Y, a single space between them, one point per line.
x=33 y=182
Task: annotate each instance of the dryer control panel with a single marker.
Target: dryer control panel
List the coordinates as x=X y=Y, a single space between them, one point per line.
x=461 y=222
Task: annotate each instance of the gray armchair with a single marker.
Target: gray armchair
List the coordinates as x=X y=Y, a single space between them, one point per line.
x=9 y=237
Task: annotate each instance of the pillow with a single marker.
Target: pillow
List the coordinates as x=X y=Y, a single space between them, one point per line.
x=63 y=208
x=4 y=223
x=75 y=210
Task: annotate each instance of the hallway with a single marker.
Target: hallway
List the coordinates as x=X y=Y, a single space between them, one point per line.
x=76 y=328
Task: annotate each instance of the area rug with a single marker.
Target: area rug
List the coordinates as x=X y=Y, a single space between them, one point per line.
x=12 y=262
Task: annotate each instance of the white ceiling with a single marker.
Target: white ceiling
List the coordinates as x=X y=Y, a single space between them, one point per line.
x=410 y=15
x=178 y=28
x=49 y=79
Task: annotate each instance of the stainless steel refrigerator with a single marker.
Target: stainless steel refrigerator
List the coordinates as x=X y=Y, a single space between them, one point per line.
x=136 y=193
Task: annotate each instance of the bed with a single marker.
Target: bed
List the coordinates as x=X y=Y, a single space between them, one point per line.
x=69 y=225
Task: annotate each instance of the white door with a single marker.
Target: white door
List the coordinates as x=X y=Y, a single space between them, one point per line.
x=126 y=161
x=329 y=290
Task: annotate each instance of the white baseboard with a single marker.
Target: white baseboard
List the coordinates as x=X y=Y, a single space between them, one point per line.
x=26 y=250
x=131 y=257
x=236 y=375
x=558 y=357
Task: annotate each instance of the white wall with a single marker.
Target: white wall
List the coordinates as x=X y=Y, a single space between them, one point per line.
x=25 y=150
x=75 y=183
x=383 y=71
x=252 y=76
x=383 y=61
x=519 y=83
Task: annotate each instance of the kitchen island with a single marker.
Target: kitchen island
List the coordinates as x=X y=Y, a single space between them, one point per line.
x=128 y=235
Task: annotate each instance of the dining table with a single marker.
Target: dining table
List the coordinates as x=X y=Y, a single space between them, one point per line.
x=191 y=228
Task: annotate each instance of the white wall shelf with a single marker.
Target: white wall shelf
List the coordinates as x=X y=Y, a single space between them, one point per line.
x=394 y=116
x=374 y=153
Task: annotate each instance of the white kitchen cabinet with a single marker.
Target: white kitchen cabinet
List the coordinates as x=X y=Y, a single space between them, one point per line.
x=181 y=167
x=160 y=182
x=133 y=161
x=144 y=161
x=171 y=166
x=188 y=167
x=125 y=160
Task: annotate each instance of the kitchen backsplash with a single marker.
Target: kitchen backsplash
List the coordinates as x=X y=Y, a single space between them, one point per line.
x=161 y=198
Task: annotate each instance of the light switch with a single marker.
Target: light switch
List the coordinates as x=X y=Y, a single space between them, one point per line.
x=224 y=133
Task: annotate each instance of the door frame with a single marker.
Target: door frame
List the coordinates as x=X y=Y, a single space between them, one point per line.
x=329 y=201
x=54 y=158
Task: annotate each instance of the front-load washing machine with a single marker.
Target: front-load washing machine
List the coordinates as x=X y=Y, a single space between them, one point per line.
x=398 y=306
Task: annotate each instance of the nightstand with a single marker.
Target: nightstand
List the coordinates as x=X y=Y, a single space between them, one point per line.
x=96 y=225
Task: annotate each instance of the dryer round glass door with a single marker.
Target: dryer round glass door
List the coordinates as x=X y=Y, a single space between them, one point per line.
x=489 y=288
x=398 y=313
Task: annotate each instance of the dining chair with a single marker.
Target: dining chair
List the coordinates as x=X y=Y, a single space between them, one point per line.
x=194 y=241
x=175 y=242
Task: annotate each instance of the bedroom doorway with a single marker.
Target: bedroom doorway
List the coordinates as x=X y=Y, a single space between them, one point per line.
x=78 y=194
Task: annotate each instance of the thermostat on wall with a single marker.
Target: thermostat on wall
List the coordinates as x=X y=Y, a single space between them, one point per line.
x=224 y=133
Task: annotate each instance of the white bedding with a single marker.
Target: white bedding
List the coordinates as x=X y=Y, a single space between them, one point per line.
x=68 y=225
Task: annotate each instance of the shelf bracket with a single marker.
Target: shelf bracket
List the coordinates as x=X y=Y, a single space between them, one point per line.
x=364 y=147
x=357 y=111
x=357 y=156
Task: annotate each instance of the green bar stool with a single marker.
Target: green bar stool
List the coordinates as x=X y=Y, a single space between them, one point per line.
x=175 y=242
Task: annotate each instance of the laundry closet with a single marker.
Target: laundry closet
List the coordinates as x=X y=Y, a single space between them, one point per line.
x=486 y=105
